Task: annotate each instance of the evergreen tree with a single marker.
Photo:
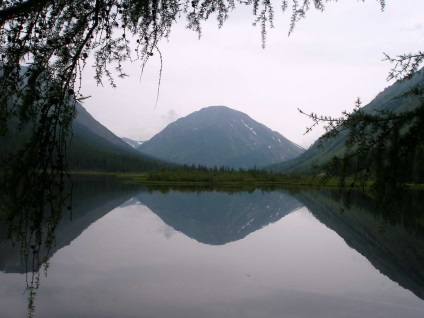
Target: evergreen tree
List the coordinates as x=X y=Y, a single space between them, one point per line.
x=384 y=147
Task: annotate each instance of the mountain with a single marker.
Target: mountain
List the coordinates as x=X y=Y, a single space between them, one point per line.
x=84 y=119
x=220 y=136
x=92 y=147
x=390 y=99
x=131 y=142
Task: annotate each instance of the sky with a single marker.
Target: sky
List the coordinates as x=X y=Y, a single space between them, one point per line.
x=331 y=59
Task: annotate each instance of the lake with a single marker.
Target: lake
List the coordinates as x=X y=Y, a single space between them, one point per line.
x=127 y=251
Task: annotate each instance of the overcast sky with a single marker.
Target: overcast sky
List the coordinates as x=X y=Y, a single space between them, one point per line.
x=330 y=60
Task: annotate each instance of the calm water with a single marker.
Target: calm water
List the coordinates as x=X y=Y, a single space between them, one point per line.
x=129 y=252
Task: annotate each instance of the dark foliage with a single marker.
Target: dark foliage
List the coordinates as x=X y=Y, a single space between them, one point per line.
x=55 y=38
x=385 y=146
x=220 y=175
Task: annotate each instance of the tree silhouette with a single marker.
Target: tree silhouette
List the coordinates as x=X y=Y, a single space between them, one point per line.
x=53 y=40
x=383 y=146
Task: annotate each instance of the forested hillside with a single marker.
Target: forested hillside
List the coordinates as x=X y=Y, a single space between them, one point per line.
x=94 y=147
x=91 y=147
x=392 y=99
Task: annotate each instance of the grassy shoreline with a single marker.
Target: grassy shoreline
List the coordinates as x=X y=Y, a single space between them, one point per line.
x=217 y=180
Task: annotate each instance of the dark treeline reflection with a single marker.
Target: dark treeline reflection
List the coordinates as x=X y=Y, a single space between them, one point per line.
x=389 y=234
x=29 y=237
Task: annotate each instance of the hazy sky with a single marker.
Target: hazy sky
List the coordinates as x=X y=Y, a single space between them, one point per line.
x=331 y=59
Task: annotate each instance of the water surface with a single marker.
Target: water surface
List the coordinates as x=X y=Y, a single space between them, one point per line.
x=135 y=253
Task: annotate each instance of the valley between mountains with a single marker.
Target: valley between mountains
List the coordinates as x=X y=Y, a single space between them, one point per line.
x=212 y=137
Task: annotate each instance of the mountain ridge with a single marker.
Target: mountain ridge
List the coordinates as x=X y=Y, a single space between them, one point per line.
x=91 y=146
x=95 y=147
x=390 y=99
x=220 y=136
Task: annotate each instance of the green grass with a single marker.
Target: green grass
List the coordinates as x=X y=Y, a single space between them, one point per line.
x=223 y=179
x=219 y=180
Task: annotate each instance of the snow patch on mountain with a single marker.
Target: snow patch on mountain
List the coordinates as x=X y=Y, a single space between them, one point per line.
x=251 y=129
x=133 y=143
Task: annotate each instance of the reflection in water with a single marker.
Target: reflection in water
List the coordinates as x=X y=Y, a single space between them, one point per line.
x=391 y=240
x=391 y=236
x=31 y=236
x=30 y=208
x=218 y=218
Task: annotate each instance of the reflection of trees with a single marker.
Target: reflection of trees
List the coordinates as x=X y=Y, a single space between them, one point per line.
x=390 y=234
x=33 y=227
x=29 y=217
x=248 y=187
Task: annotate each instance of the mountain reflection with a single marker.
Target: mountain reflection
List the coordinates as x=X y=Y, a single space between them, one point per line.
x=92 y=198
x=391 y=237
x=28 y=241
x=217 y=218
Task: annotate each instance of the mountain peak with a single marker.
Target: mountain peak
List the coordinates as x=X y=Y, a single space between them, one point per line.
x=220 y=136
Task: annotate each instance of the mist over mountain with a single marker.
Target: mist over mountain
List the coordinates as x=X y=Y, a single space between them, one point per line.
x=220 y=136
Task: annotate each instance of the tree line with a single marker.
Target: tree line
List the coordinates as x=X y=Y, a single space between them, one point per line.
x=222 y=174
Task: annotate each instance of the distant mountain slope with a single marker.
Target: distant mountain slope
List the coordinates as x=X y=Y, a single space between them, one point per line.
x=131 y=142
x=84 y=119
x=220 y=136
x=319 y=153
x=92 y=147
